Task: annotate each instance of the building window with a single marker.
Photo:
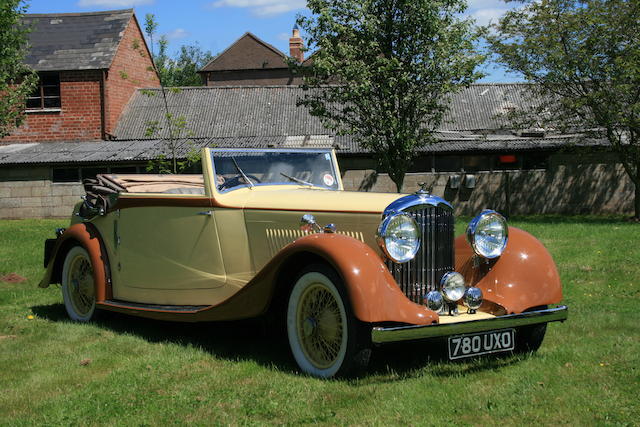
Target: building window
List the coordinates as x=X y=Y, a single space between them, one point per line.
x=124 y=169
x=66 y=175
x=448 y=164
x=77 y=174
x=507 y=162
x=477 y=163
x=47 y=94
x=92 y=172
x=533 y=161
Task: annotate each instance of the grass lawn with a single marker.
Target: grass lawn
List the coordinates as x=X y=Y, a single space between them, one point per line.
x=128 y=371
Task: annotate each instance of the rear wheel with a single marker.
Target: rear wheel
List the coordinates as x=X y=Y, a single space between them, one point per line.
x=78 y=288
x=325 y=337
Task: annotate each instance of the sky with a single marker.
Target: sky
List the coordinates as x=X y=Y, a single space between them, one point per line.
x=215 y=24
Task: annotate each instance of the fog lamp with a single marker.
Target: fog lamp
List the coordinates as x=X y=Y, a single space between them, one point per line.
x=473 y=299
x=434 y=300
x=452 y=284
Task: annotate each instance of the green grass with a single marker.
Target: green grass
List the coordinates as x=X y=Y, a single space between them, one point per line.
x=153 y=373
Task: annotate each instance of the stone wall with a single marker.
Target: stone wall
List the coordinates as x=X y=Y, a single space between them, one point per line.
x=565 y=188
x=597 y=186
x=29 y=193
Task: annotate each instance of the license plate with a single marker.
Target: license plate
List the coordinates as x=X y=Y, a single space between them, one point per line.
x=481 y=343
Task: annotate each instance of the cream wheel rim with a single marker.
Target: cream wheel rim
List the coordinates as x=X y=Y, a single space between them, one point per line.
x=80 y=286
x=319 y=326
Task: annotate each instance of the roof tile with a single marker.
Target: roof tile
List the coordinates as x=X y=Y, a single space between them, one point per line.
x=75 y=41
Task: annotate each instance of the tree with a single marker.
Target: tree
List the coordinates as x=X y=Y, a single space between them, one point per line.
x=176 y=126
x=583 y=57
x=183 y=69
x=384 y=71
x=17 y=80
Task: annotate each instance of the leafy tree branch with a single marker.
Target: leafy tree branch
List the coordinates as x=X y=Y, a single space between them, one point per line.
x=17 y=80
x=383 y=71
x=583 y=58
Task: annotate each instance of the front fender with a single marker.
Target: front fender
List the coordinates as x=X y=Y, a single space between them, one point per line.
x=88 y=237
x=524 y=276
x=373 y=293
x=375 y=296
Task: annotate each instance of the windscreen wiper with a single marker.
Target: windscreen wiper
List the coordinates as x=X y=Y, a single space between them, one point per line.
x=246 y=178
x=298 y=180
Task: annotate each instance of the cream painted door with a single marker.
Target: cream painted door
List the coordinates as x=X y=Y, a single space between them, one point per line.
x=167 y=254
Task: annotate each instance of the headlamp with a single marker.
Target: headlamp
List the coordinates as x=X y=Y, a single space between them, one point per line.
x=399 y=237
x=487 y=234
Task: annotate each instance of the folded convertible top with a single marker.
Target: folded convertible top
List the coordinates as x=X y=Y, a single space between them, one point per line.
x=102 y=191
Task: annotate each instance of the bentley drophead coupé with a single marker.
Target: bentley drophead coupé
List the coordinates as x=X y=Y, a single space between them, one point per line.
x=263 y=232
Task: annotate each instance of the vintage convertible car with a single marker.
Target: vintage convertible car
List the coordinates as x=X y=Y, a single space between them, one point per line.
x=242 y=240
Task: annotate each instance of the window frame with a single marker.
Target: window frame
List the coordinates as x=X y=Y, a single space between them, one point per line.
x=40 y=94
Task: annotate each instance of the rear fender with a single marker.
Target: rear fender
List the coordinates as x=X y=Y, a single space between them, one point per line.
x=524 y=276
x=87 y=236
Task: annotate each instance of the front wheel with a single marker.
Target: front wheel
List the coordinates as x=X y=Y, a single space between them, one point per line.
x=324 y=336
x=78 y=288
x=529 y=338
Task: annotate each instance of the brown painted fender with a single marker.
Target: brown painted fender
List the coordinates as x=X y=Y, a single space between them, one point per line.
x=375 y=296
x=373 y=293
x=524 y=276
x=86 y=235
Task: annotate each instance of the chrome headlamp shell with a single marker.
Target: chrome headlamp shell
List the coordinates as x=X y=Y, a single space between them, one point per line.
x=399 y=237
x=488 y=234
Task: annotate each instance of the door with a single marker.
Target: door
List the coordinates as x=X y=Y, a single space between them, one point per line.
x=169 y=255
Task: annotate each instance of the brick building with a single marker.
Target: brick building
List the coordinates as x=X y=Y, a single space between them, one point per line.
x=250 y=61
x=89 y=65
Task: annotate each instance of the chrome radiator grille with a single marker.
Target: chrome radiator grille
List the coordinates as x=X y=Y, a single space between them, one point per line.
x=435 y=257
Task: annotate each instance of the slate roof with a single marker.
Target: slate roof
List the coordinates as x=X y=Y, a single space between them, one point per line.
x=232 y=111
x=132 y=151
x=75 y=41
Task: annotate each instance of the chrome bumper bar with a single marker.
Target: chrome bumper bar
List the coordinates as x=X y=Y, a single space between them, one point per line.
x=406 y=333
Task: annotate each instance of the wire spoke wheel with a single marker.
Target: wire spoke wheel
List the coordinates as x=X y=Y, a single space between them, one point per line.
x=319 y=326
x=78 y=289
x=323 y=333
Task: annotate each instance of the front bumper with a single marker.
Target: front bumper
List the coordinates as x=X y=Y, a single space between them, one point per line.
x=381 y=335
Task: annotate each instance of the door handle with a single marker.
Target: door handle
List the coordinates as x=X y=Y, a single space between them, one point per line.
x=208 y=213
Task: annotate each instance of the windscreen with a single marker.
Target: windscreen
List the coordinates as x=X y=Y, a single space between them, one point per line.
x=236 y=169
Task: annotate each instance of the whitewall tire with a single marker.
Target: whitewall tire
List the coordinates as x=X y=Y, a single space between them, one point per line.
x=78 y=287
x=322 y=331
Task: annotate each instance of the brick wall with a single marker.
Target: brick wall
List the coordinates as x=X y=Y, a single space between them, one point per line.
x=266 y=77
x=78 y=119
x=80 y=116
x=131 y=69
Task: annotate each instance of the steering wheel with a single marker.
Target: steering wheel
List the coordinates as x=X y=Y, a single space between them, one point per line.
x=237 y=180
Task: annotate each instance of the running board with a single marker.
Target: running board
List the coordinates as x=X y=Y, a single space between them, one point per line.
x=134 y=306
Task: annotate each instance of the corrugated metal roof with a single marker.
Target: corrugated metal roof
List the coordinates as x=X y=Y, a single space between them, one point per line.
x=144 y=150
x=75 y=41
x=215 y=112
x=483 y=106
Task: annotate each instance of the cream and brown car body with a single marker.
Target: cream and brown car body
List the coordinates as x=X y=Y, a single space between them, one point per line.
x=234 y=253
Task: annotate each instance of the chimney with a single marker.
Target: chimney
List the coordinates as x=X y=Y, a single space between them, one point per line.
x=296 y=44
